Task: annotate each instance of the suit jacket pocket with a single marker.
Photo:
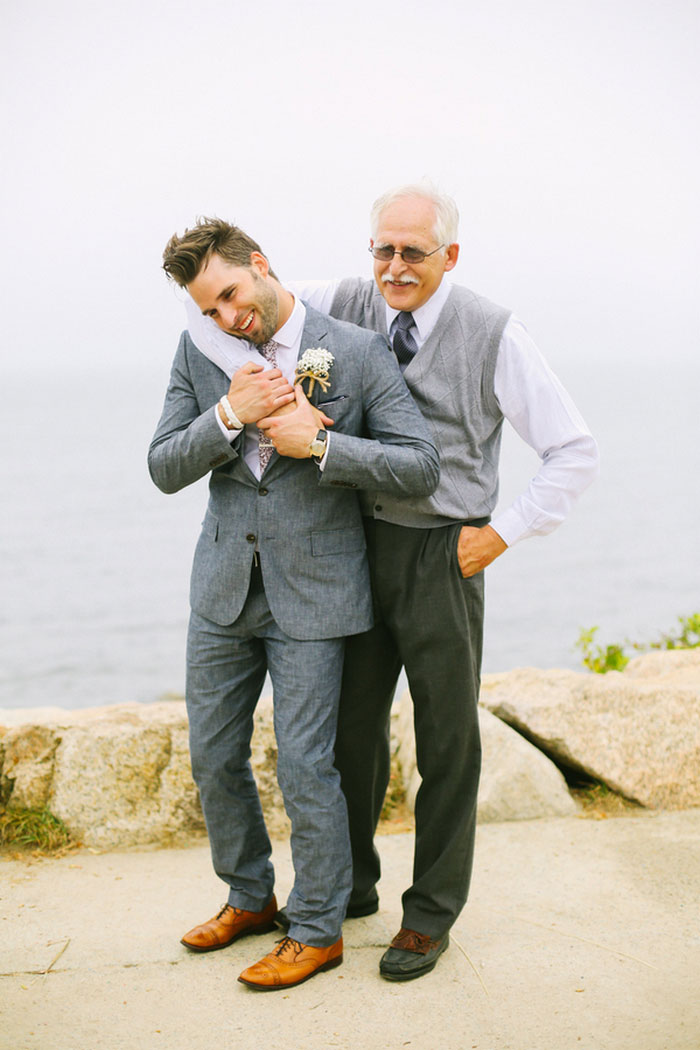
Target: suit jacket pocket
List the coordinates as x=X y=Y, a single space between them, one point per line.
x=210 y=527
x=335 y=407
x=332 y=400
x=337 y=541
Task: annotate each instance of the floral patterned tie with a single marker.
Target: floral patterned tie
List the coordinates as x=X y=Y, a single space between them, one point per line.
x=268 y=350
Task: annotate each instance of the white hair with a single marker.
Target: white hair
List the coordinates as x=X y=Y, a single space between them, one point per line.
x=446 y=229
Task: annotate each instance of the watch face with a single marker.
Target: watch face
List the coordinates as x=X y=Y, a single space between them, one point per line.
x=318 y=445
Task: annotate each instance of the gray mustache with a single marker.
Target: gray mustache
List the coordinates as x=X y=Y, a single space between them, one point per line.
x=399 y=280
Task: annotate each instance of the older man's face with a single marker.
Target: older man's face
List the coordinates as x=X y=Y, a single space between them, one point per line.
x=410 y=223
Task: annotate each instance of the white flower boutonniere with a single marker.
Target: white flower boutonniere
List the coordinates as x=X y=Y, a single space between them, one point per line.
x=314 y=365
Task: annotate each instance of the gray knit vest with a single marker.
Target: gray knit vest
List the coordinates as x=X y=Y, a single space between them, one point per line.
x=451 y=379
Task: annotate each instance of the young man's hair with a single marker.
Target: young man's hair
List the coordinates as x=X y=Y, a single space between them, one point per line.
x=185 y=257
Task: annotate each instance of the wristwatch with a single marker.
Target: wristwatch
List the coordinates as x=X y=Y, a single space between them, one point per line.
x=318 y=445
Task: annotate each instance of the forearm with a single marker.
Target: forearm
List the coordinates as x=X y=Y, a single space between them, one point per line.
x=177 y=459
x=541 y=411
x=188 y=442
x=563 y=476
x=410 y=468
x=319 y=294
x=395 y=453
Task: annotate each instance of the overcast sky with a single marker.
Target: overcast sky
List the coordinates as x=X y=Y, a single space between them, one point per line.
x=567 y=132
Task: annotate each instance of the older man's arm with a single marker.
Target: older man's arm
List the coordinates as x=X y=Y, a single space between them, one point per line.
x=541 y=411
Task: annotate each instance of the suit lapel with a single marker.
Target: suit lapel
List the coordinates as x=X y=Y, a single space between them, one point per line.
x=314 y=334
x=380 y=314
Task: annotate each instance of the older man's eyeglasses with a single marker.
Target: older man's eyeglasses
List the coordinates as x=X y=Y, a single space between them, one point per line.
x=386 y=252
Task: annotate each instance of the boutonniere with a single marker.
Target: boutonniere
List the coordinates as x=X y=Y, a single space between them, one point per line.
x=314 y=365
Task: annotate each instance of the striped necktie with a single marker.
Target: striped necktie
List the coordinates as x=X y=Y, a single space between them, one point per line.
x=404 y=344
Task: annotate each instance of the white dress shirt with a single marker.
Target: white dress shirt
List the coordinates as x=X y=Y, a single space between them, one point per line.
x=529 y=394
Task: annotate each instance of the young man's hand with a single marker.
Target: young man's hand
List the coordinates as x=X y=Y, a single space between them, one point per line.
x=293 y=429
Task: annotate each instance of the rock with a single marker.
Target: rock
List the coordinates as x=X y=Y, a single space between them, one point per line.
x=517 y=781
x=679 y=665
x=27 y=765
x=638 y=731
x=121 y=776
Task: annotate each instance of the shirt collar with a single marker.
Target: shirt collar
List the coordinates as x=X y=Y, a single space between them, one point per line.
x=425 y=317
x=289 y=334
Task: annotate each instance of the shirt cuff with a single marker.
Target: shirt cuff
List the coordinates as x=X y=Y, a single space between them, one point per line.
x=510 y=527
x=322 y=460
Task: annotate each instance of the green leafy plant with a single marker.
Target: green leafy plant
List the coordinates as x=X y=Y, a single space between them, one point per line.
x=598 y=658
x=602 y=659
x=687 y=638
x=33 y=829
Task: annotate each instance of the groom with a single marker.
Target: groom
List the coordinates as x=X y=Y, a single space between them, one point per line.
x=280 y=572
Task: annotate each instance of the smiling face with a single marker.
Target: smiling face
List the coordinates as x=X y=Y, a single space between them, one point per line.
x=240 y=299
x=410 y=223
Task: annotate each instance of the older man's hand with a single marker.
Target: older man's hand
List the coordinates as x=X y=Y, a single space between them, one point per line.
x=477 y=548
x=292 y=429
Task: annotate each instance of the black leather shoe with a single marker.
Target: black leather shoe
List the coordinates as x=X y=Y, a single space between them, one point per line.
x=354 y=911
x=411 y=955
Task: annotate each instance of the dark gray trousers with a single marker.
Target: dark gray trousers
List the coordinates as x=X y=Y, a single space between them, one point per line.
x=428 y=619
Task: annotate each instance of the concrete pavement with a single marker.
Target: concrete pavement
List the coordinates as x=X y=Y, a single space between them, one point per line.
x=579 y=935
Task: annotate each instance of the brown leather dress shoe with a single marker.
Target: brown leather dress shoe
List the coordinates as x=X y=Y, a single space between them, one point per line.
x=230 y=924
x=291 y=963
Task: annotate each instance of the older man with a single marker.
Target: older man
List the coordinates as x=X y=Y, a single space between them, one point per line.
x=280 y=572
x=469 y=365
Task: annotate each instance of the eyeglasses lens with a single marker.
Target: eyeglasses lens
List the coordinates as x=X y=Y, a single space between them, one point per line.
x=386 y=252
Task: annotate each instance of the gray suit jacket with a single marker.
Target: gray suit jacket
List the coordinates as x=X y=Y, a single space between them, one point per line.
x=305 y=523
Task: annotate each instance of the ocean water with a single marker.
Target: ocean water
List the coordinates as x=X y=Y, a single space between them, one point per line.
x=95 y=560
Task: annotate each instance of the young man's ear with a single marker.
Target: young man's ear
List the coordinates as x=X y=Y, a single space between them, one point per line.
x=259 y=263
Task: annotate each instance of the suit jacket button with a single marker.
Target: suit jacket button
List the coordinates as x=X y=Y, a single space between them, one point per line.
x=377 y=506
x=263 y=492
x=251 y=537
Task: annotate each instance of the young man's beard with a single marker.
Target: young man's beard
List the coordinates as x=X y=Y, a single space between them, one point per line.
x=267 y=309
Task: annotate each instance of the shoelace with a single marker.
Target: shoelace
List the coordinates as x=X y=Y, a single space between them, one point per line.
x=288 y=942
x=227 y=907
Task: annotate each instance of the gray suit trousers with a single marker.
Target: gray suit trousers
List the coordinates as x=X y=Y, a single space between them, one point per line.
x=226 y=667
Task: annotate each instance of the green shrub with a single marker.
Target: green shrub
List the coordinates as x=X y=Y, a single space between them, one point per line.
x=601 y=659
